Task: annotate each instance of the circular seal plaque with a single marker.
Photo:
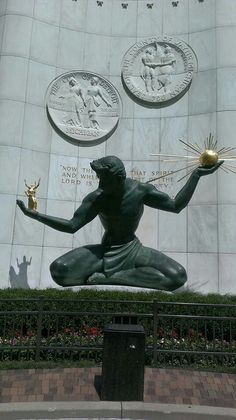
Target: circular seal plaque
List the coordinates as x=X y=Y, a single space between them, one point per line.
x=83 y=106
x=158 y=69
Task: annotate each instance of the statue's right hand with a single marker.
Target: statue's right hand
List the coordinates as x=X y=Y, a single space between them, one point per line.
x=21 y=204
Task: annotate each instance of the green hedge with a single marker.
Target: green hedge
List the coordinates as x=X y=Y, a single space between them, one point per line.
x=90 y=300
x=91 y=294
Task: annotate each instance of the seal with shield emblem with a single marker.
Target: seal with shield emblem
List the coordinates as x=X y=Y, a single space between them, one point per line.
x=158 y=69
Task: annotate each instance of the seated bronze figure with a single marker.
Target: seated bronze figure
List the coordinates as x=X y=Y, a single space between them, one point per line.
x=120 y=259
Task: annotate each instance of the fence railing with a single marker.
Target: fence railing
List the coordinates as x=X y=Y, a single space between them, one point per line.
x=177 y=334
x=201 y=335
x=52 y=332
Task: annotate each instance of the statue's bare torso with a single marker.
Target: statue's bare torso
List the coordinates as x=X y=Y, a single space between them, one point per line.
x=120 y=215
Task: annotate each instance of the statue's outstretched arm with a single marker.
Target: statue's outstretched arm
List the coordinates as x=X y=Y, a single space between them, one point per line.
x=162 y=201
x=103 y=97
x=83 y=215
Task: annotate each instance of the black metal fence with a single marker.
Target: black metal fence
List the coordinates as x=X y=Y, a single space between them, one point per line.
x=177 y=334
x=193 y=334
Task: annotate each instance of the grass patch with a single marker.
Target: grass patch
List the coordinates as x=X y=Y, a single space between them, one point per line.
x=31 y=364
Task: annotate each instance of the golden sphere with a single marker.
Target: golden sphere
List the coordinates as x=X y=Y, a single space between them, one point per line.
x=208 y=158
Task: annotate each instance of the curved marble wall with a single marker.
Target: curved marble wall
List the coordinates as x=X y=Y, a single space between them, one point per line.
x=41 y=39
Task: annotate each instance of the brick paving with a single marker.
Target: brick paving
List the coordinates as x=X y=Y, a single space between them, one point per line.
x=172 y=386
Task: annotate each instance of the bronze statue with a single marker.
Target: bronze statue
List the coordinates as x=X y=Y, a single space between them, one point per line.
x=31 y=194
x=120 y=259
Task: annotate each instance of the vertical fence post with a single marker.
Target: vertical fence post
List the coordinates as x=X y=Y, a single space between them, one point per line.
x=155 y=314
x=39 y=329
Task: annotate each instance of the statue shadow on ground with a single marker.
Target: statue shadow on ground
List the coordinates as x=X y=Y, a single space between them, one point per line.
x=20 y=280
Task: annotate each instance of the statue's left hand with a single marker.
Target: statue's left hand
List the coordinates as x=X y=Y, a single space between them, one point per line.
x=203 y=170
x=22 y=206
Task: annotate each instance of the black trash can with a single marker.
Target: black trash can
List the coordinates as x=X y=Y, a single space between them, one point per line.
x=123 y=363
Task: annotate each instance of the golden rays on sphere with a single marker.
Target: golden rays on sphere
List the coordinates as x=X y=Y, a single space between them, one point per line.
x=207 y=155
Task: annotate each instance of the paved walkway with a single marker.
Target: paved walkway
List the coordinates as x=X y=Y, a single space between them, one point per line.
x=111 y=410
x=168 y=386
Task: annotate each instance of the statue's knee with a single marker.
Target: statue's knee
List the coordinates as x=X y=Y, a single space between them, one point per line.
x=181 y=276
x=59 y=272
x=57 y=268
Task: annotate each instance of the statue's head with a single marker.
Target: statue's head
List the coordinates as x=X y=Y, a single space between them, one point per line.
x=109 y=165
x=111 y=172
x=167 y=49
x=94 y=80
x=149 y=51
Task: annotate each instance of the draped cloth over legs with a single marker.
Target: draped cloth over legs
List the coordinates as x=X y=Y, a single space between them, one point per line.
x=121 y=257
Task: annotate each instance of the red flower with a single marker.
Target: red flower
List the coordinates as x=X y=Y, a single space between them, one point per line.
x=94 y=331
x=174 y=334
x=67 y=330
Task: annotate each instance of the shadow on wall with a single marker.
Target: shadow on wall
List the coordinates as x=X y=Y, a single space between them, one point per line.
x=20 y=280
